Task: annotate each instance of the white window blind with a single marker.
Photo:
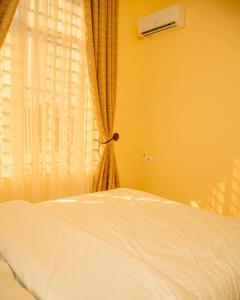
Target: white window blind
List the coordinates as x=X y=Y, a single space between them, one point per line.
x=48 y=136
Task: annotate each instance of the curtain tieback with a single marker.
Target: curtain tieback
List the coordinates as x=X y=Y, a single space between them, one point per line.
x=115 y=137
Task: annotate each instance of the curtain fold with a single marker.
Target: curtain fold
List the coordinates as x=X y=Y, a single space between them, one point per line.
x=7 y=10
x=101 y=43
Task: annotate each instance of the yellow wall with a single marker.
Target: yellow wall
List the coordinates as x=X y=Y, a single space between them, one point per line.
x=179 y=99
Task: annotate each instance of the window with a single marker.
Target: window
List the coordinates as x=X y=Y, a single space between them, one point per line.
x=49 y=139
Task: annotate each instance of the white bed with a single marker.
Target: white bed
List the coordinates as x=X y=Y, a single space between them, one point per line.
x=10 y=287
x=121 y=245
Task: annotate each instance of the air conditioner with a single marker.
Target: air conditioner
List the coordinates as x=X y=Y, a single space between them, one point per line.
x=168 y=18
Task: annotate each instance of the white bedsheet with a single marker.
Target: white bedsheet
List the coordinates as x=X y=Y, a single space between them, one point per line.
x=10 y=288
x=121 y=245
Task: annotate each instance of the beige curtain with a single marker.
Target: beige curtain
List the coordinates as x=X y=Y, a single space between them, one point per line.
x=7 y=10
x=101 y=28
x=47 y=129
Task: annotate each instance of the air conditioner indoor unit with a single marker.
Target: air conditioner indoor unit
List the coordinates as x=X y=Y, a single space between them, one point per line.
x=168 y=18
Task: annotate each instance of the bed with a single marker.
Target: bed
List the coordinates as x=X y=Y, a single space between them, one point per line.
x=121 y=244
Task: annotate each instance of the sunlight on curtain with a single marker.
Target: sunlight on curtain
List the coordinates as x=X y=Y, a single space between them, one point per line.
x=48 y=137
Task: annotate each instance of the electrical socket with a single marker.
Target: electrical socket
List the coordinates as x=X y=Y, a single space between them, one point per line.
x=150 y=159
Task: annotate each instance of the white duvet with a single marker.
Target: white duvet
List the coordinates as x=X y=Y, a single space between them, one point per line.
x=10 y=288
x=121 y=245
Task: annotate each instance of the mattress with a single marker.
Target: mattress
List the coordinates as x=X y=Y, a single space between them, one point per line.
x=121 y=244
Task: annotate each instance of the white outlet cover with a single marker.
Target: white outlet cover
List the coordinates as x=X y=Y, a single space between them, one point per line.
x=150 y=158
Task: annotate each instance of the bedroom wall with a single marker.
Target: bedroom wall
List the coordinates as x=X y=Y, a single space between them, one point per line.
x=179 y=99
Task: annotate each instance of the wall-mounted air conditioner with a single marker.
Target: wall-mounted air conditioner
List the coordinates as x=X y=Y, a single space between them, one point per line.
x=168 y=18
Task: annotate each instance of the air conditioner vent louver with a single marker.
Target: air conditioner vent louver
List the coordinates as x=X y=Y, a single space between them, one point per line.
x=168 y=18
x=160 y=28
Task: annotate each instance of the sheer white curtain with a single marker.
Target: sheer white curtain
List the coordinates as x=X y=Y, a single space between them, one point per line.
x=47 y=131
